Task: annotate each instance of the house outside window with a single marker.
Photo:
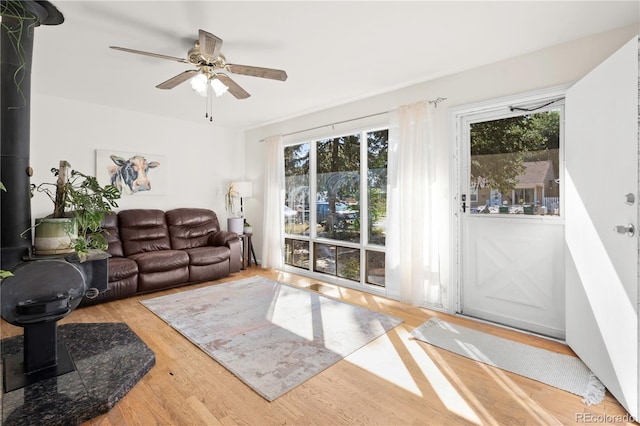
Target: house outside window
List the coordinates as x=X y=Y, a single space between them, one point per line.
x=515 y=165
x=335 y=207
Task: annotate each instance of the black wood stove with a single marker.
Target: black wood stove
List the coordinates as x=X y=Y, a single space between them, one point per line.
x=40 y=293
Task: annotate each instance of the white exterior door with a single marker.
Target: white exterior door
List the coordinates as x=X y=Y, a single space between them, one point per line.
x=601 y=256
x=511 y=227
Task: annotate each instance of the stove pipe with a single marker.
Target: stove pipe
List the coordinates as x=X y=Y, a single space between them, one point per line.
x=16 y=48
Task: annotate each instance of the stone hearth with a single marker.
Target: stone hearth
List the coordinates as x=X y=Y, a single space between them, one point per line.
x=109 y=360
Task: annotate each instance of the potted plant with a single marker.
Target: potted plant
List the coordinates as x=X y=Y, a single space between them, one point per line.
x=234 y=223
x=80 y=204
x=247 y=227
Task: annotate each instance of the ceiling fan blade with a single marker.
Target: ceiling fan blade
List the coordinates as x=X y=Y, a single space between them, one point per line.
x=209 y=45
x=154 y=55
x=257 y=71
x=234 y=88
x=180 y=78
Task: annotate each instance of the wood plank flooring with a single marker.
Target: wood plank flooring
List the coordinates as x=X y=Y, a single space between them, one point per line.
x=392 y=381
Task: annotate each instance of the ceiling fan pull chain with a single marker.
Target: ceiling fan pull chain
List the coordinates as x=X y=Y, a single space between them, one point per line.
x=206 y=102
x=210 y=102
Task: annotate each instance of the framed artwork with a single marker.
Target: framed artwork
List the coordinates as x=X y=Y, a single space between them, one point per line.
x=132 y=173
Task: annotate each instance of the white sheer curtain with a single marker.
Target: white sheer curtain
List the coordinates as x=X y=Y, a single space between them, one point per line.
x=273 y=219
x=412 y=258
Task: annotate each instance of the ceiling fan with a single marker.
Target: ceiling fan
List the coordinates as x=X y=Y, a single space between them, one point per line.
x=206 y=56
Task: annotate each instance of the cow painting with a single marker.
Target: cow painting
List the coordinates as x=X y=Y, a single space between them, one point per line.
x=130 y=176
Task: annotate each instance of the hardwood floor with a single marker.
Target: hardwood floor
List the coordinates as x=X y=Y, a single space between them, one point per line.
x=392 y=381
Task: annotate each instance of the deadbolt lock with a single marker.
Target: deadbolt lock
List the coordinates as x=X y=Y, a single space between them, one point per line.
x=630 y=199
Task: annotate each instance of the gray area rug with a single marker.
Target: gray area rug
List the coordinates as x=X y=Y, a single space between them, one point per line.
x=272 y=336
x=558 y=370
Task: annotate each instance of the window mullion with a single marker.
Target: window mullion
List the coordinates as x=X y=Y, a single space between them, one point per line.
x=364 y=203
x=313 y=209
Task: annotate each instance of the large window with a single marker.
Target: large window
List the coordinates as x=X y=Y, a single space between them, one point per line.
x=335 y=206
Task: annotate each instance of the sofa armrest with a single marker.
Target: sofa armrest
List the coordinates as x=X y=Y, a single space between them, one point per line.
x=222 y=238
x=231 y=240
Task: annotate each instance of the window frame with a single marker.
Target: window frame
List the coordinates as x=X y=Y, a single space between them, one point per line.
x=312 y=238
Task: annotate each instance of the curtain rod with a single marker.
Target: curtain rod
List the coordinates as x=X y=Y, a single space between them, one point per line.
x=435 y=102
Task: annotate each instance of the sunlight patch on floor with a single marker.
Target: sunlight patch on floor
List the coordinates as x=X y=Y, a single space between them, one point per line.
x=444 y=366
x=280 y=313
x=539 y=415
x=327 y=290
x=381 y=358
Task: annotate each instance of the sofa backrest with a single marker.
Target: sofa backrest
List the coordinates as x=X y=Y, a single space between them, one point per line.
x=112 y=234
x=143 y=230
x=191 y=227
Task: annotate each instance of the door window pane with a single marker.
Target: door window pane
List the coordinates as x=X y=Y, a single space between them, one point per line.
x=515 y=165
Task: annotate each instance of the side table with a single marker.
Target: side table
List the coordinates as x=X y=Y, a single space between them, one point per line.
x=247 y=250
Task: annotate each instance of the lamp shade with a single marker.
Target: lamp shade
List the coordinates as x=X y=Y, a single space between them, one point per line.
x=244 y=189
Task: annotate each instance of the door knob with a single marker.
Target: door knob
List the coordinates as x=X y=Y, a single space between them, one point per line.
x=629 y=229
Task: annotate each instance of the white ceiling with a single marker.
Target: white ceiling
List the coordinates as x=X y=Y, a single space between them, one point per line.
x=333 y=52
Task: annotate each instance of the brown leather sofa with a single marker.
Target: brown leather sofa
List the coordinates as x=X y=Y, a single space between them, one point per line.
x=153 y=250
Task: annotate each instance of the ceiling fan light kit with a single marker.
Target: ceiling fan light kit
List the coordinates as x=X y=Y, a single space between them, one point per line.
x=218 y=87
x=208 y=78
x=200 y=83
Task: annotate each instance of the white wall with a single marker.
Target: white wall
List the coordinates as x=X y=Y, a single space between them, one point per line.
x=201 y=158
x=550 y=67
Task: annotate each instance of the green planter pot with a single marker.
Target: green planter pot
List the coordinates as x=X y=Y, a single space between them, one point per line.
x=55 y=236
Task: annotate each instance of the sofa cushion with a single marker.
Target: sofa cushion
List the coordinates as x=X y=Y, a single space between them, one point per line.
x=208 y=272
x=154 y=281
x=207 y=255
x=121 y=268
x=112 y=234
x=143 y=230
x=190 y=227
x=161 y=260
